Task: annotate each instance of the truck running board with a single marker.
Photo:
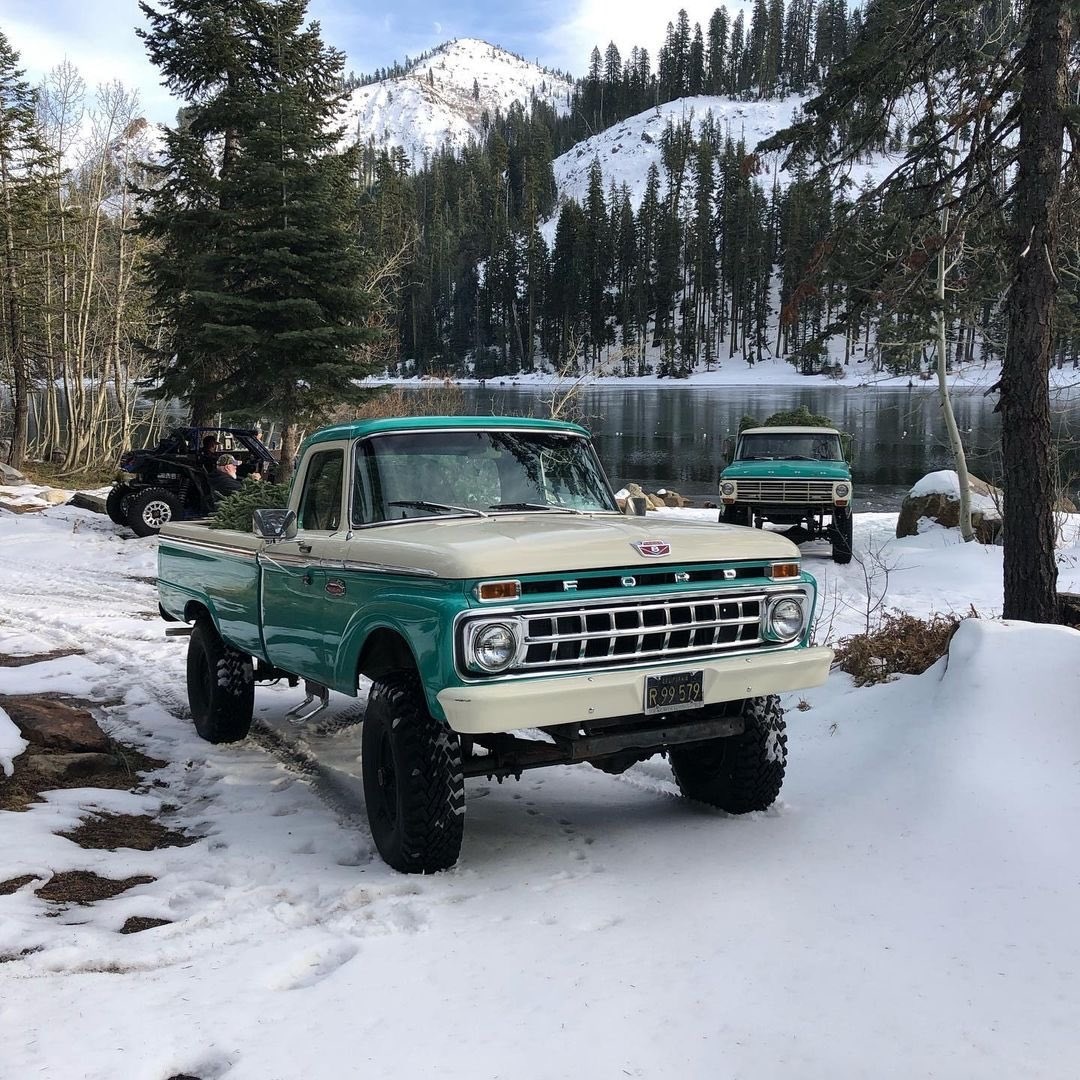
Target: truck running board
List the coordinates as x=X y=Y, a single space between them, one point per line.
x=313 y=690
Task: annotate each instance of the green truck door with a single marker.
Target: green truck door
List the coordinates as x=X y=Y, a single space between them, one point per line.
x=299 y=576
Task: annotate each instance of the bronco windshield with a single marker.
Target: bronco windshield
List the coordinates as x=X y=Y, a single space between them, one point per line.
x=425 y=474
x=790 y=446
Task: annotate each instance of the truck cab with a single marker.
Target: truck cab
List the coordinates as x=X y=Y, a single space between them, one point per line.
x=798 y=478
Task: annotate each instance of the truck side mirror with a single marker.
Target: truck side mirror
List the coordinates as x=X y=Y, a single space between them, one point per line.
x=274 y=525
x=729 y=448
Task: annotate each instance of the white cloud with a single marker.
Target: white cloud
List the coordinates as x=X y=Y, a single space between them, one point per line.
x=627 y=23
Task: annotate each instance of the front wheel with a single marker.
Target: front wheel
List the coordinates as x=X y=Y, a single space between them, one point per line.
x=220 y=686
x=414 y=786
x=737 y=773
x=151 y=509
x=736 y=515
x=842 y=531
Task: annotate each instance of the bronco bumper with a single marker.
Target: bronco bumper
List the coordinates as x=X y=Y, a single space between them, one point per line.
x=537 y=702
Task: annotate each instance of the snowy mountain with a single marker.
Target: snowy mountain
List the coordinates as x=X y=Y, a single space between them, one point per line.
x=440 y=101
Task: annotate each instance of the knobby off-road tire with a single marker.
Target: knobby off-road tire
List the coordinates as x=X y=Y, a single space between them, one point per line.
x=116 y=505
x=220 y=685
x=150 y=509
x=413 y=781
x=738 y=773
x=842 y=533
x=736 y=515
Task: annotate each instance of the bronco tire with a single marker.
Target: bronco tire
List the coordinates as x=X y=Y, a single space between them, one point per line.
x=220 y=686
x=738 y=773
x=842 y=535
x=150 y=509
x=413 y=781
x=117 y=504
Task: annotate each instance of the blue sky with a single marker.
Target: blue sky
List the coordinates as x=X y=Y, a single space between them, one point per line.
x=98 y=36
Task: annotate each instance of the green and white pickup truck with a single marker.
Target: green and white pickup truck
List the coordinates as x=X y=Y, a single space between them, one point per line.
x=797 y=477
x=479 y=572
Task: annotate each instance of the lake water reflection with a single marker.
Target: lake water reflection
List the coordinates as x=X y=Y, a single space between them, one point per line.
x=673 y=437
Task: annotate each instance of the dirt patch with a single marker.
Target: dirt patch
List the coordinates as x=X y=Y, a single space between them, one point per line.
x=7 y=958
x=86 y=887
x=138 y=923
x=40 y=769
x=13 y=885
x=37 y=658
x=107 y=832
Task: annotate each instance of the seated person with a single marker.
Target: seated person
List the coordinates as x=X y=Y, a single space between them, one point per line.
x=224 y=480
x=208 y=456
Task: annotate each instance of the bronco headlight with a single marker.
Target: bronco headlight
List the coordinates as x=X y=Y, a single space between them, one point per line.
x=491 y=646
x=842 y=490
x=727 y=488
x=785 y=619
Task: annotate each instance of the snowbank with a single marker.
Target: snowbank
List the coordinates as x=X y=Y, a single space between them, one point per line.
x=12 y=744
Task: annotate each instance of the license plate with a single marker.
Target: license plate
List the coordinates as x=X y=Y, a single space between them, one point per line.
x=670 y=693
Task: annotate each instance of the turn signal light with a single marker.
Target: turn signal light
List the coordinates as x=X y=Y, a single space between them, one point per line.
x=498 y=590
x=780 y=570
x=840 y=502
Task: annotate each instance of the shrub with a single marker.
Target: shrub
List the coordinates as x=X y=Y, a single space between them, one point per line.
x=901 y=645
x=235 y=511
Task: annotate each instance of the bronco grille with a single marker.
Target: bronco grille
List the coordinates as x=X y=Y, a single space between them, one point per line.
x=655 y=628
x=785 y=491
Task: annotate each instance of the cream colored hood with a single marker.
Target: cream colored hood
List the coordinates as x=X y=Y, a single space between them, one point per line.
x=535 y=543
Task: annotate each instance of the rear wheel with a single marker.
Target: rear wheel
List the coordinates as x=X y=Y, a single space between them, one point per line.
x=117 y=504
x=220 y=686
x=150 y=509
x=738 y=773
x=413 y=781
x=842 y=534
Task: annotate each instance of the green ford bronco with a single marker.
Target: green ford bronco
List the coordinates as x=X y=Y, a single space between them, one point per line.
x=797 y=477
x=475 y=577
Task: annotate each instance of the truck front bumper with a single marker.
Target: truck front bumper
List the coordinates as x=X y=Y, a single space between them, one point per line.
x=537 y=702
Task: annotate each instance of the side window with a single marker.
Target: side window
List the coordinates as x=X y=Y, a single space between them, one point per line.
x=320 y=502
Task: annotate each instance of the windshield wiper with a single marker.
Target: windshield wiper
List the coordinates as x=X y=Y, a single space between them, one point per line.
x=437 y=508
x=799 y=457
x=535 y=506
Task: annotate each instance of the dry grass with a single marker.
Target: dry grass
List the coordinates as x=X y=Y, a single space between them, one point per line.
x=901 y=645
x=107 y=832
x=86 y=887
x=138 y=923
x=437 y=398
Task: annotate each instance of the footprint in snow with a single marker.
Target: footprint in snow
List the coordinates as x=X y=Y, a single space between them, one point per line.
x=312 y=966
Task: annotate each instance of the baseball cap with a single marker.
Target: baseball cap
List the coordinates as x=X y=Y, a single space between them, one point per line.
x=227 y=459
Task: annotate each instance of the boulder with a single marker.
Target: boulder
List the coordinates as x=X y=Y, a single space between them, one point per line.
x=85 y=501
x=937 y=497
x=672 y=498
x=51 y=723
x=55 y=496
x=75 y=766
x=8 y=475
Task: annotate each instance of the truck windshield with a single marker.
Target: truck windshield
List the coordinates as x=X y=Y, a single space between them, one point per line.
x=424 y=474
x=790 y=446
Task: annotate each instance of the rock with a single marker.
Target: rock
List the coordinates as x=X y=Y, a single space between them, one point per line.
x=943 y=507
x=8 y=475
x=85 y=501
x=75 y=766
x=673 y=498
x=21 y=507
x=55 y=496
x=55 y=724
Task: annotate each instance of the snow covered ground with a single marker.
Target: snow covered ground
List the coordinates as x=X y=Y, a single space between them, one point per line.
x=907 y=909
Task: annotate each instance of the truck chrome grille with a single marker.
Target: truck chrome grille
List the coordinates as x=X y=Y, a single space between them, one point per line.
x=785 y=491
x=653 y=629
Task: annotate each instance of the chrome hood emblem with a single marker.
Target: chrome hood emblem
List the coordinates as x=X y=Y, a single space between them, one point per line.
x=651 y=549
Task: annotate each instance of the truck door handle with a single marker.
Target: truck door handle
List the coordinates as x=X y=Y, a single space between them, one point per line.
x=305 y=548
x=307 y=579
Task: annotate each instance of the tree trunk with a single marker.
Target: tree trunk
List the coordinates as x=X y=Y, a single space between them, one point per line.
x=290 y=444
x=1030 y=570
x=20 y=380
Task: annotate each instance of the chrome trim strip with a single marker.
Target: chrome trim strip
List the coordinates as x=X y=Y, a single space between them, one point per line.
x=203 y=545
x=386 y=568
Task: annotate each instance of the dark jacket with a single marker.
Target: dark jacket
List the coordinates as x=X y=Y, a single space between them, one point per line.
x=224 y=485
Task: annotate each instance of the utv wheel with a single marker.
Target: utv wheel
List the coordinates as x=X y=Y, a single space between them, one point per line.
x=841 y=532
x=413 y=782
x=738 y=773
x=220 y=685
x=150 y=509
x=117 y=504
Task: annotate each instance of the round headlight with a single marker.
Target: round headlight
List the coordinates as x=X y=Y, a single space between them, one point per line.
x=494 y=646
x=786 y=619
x=727 y=488
x=842 y=491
